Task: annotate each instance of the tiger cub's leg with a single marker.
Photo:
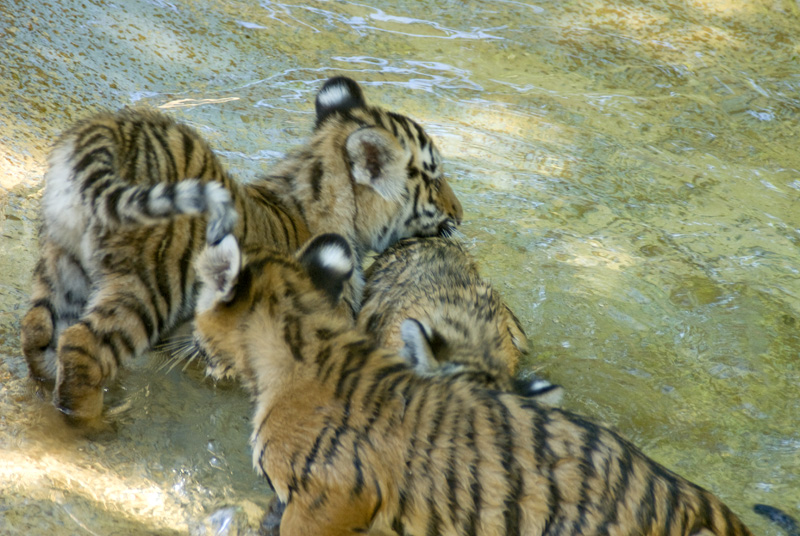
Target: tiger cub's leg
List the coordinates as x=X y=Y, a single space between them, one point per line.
x=118 y=325
x=135 y=301
x=61 y=287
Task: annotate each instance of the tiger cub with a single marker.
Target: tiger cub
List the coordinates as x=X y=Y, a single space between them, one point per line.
x=354 y=441
x=425 y=299
x=132 y=197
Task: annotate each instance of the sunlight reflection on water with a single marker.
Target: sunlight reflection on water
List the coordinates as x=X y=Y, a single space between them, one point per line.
x=630 y=181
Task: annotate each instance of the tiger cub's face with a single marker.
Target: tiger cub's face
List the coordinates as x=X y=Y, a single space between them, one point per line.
x=400 y=189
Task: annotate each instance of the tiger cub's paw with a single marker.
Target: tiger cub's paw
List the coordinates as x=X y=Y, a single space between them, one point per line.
x=79 y=384
x=36 y=336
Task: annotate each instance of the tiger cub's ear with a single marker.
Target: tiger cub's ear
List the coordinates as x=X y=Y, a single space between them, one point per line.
x=218 y=267
x=377 y=160
x=376 y=157
x=328 y=260
x=419 y=345
x=338 y=94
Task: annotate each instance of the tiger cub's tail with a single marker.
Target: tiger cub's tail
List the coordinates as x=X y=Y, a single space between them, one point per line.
x=133 y=167
x=154 y=204
x=779 y=517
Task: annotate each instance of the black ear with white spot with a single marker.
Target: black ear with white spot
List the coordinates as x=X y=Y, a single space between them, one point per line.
x=338 y=94
x=531 y=385
x=218 y=268
x=329 y=262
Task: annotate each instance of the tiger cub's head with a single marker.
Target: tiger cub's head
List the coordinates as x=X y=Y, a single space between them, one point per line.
x=398 y=184
x=433 y=353
x=243 y=295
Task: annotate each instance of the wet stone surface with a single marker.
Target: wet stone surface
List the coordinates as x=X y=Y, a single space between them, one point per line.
x=630 y=181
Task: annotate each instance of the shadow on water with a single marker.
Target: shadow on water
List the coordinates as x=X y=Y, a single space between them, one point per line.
x=66 y=510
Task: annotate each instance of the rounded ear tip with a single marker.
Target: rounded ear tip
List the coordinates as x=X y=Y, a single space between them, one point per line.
x=338 y=93
x=339 y=79
x=344 y=82
x=333 y=240
x=334 y=252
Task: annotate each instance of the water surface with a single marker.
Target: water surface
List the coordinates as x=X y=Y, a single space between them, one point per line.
x=630 y=176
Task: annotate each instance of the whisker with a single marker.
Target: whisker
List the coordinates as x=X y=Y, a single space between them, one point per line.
x=173 y=343
x=176 y=350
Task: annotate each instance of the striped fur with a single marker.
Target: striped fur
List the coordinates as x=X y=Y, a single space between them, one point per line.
x=779 y=517
x=353 y=441
x=425 y=299
x=132 y=197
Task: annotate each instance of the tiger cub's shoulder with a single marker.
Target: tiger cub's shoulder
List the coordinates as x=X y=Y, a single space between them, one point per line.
x=425 y=298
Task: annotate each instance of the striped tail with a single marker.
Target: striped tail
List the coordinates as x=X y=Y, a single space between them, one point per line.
x=779 y=517
x=151 y=205
x=134 y=167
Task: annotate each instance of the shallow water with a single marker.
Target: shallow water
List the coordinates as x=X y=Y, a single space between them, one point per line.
x=630 y=176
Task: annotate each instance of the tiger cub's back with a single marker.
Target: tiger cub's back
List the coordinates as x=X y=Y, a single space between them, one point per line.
x=115 y=185
x=353 y=441
x=425 y=298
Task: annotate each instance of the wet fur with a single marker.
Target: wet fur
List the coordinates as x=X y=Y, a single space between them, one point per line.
x=465 y=327
x=354 y=441
x=123 y=224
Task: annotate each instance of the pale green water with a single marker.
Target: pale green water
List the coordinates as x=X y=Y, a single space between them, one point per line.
x=630 y=174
